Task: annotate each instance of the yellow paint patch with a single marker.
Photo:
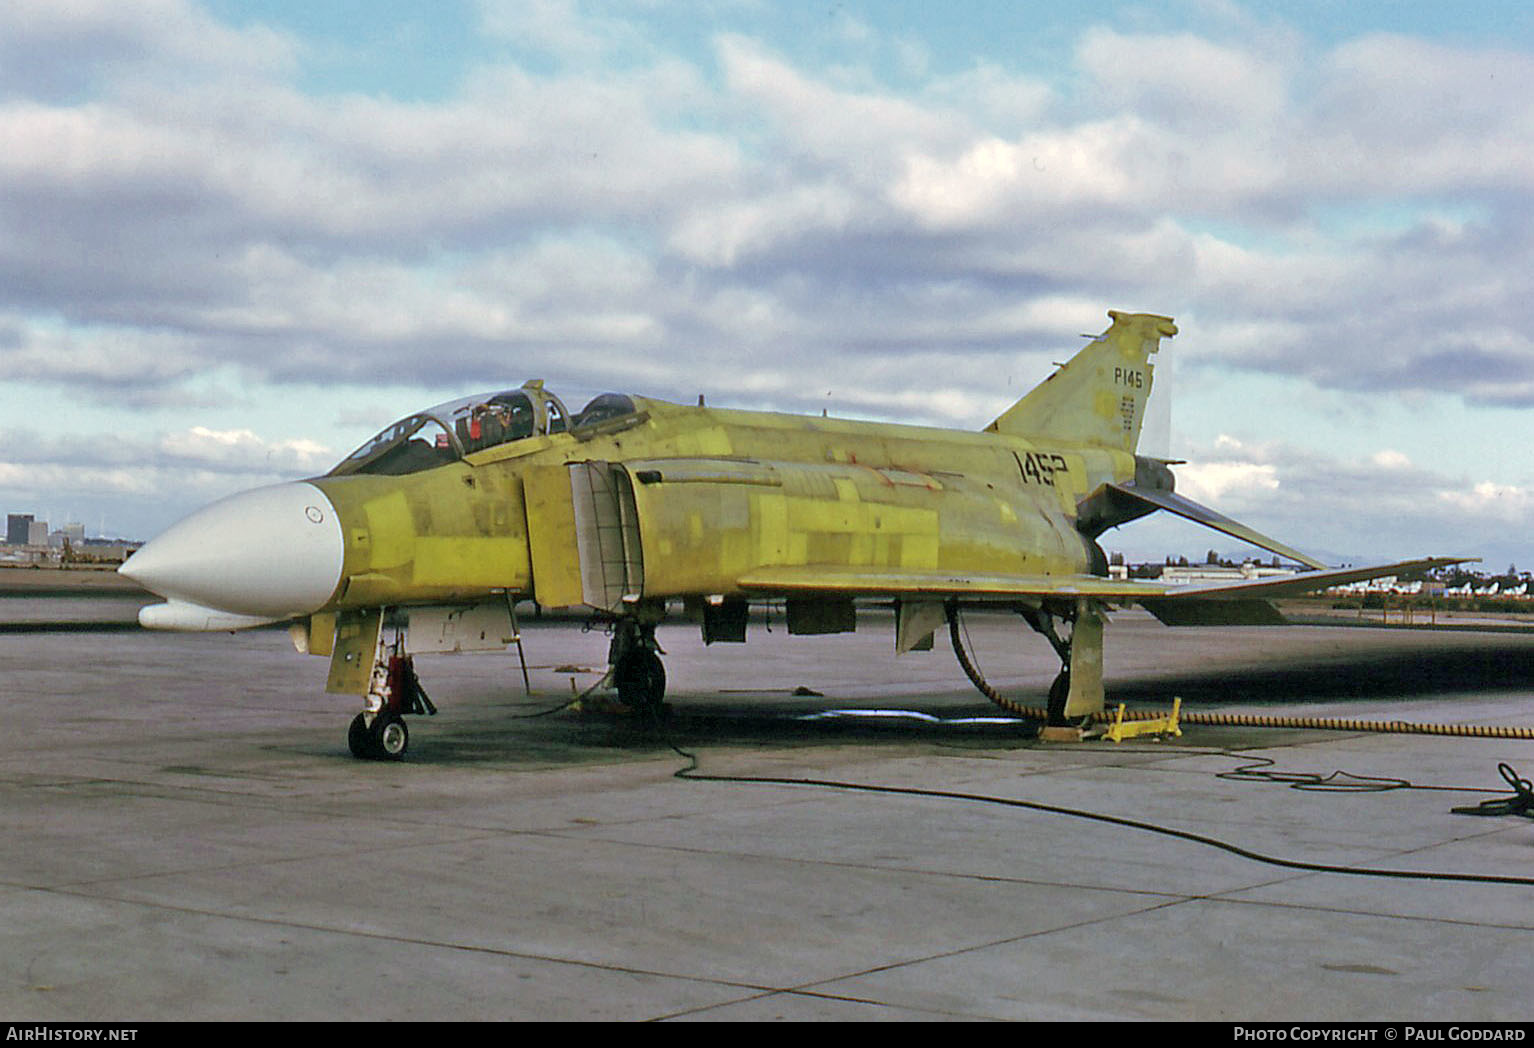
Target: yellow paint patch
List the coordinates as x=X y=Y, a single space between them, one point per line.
x=770 y=512
x=454 y=561
x=392 y=530
x=918 y=552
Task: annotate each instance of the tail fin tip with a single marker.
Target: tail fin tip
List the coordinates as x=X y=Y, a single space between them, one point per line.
x=1097 y=397
x=1157 y=324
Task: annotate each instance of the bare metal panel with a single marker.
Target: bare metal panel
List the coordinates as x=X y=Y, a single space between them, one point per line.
x=474 y=627
x=915 y=622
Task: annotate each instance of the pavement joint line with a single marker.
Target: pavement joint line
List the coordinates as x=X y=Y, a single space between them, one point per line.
x=203 y=794
x=472 y=835
x=1142 y=826
x=72 y=890
x=1353 y=911
x=704 y=1009
x=494 y=835
x=810 y=987
x=308 y=804
x=760 y=991
x=275 y=922
x=983 y=878
x=198 y=794
x=1219 y=898
x=75 y=887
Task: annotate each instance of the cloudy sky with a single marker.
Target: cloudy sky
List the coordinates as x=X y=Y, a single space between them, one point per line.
x=237 y=237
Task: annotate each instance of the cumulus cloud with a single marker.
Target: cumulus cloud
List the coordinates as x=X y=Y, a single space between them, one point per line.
x=251 y=208
x=1505 y=503
x=1409 y=114
x=110 y=43
x=103 y=360
x=1378 y=506
x=198 y=447
x=242 y=449
x=1184 y=79
x=558 y=27
x=598 y=204
x=140 y=483
x=1213 y=481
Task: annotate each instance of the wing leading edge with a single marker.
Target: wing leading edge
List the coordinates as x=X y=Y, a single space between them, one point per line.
x=799 y=580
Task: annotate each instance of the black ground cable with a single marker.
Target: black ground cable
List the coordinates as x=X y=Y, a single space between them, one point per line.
x=1520 y=803
x=567 y=704
x=1336 y=782
x=689 y=774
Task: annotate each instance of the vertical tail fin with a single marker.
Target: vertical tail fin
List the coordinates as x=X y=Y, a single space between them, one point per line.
x=1099 y=396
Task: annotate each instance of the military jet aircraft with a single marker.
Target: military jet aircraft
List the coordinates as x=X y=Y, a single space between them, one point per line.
x=426 y=537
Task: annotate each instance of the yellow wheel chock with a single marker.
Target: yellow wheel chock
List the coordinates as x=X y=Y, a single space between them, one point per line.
x=1119 y=730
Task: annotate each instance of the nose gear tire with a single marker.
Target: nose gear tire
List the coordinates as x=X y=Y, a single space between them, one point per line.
x=386 y=739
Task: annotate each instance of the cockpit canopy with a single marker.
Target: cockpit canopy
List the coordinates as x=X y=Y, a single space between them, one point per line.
x=448 y=432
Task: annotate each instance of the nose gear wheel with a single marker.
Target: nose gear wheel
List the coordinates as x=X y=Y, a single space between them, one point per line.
x=386 y=738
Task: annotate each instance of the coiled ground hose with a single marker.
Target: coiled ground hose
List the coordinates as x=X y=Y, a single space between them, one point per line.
x=1241 y=720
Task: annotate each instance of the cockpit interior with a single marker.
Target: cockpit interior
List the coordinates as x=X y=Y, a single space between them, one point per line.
x=450 y=431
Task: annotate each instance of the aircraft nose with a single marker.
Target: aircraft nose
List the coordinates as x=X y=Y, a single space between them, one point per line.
x=274 y=552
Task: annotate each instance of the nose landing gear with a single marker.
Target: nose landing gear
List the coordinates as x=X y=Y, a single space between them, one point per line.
x=379 y=732
x=385 y=738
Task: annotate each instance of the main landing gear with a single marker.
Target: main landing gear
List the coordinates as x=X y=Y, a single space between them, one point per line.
x=379 y=732
x=635 y=668
x=1077 y=690
x=1043 y=623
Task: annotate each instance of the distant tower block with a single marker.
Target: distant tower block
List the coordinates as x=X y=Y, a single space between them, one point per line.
x=17 y=528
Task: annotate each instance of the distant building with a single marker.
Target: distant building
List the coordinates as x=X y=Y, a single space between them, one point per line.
x=105 y=551
x=37 y=533
x=1184 y=574
x=16 y=528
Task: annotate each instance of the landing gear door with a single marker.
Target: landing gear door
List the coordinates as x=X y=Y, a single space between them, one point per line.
x=583 y=529
x=356 y=649
x=551 y=536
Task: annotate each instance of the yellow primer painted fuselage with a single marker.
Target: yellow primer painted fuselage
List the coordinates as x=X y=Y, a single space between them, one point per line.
x=721 y=494
x=445 y=519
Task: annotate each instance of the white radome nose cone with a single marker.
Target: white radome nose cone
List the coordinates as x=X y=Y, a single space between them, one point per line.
x=274 y=552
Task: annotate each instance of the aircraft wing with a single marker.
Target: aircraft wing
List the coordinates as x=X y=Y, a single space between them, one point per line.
x=875 y=582
x=1310 y=581
x=1205 y=603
